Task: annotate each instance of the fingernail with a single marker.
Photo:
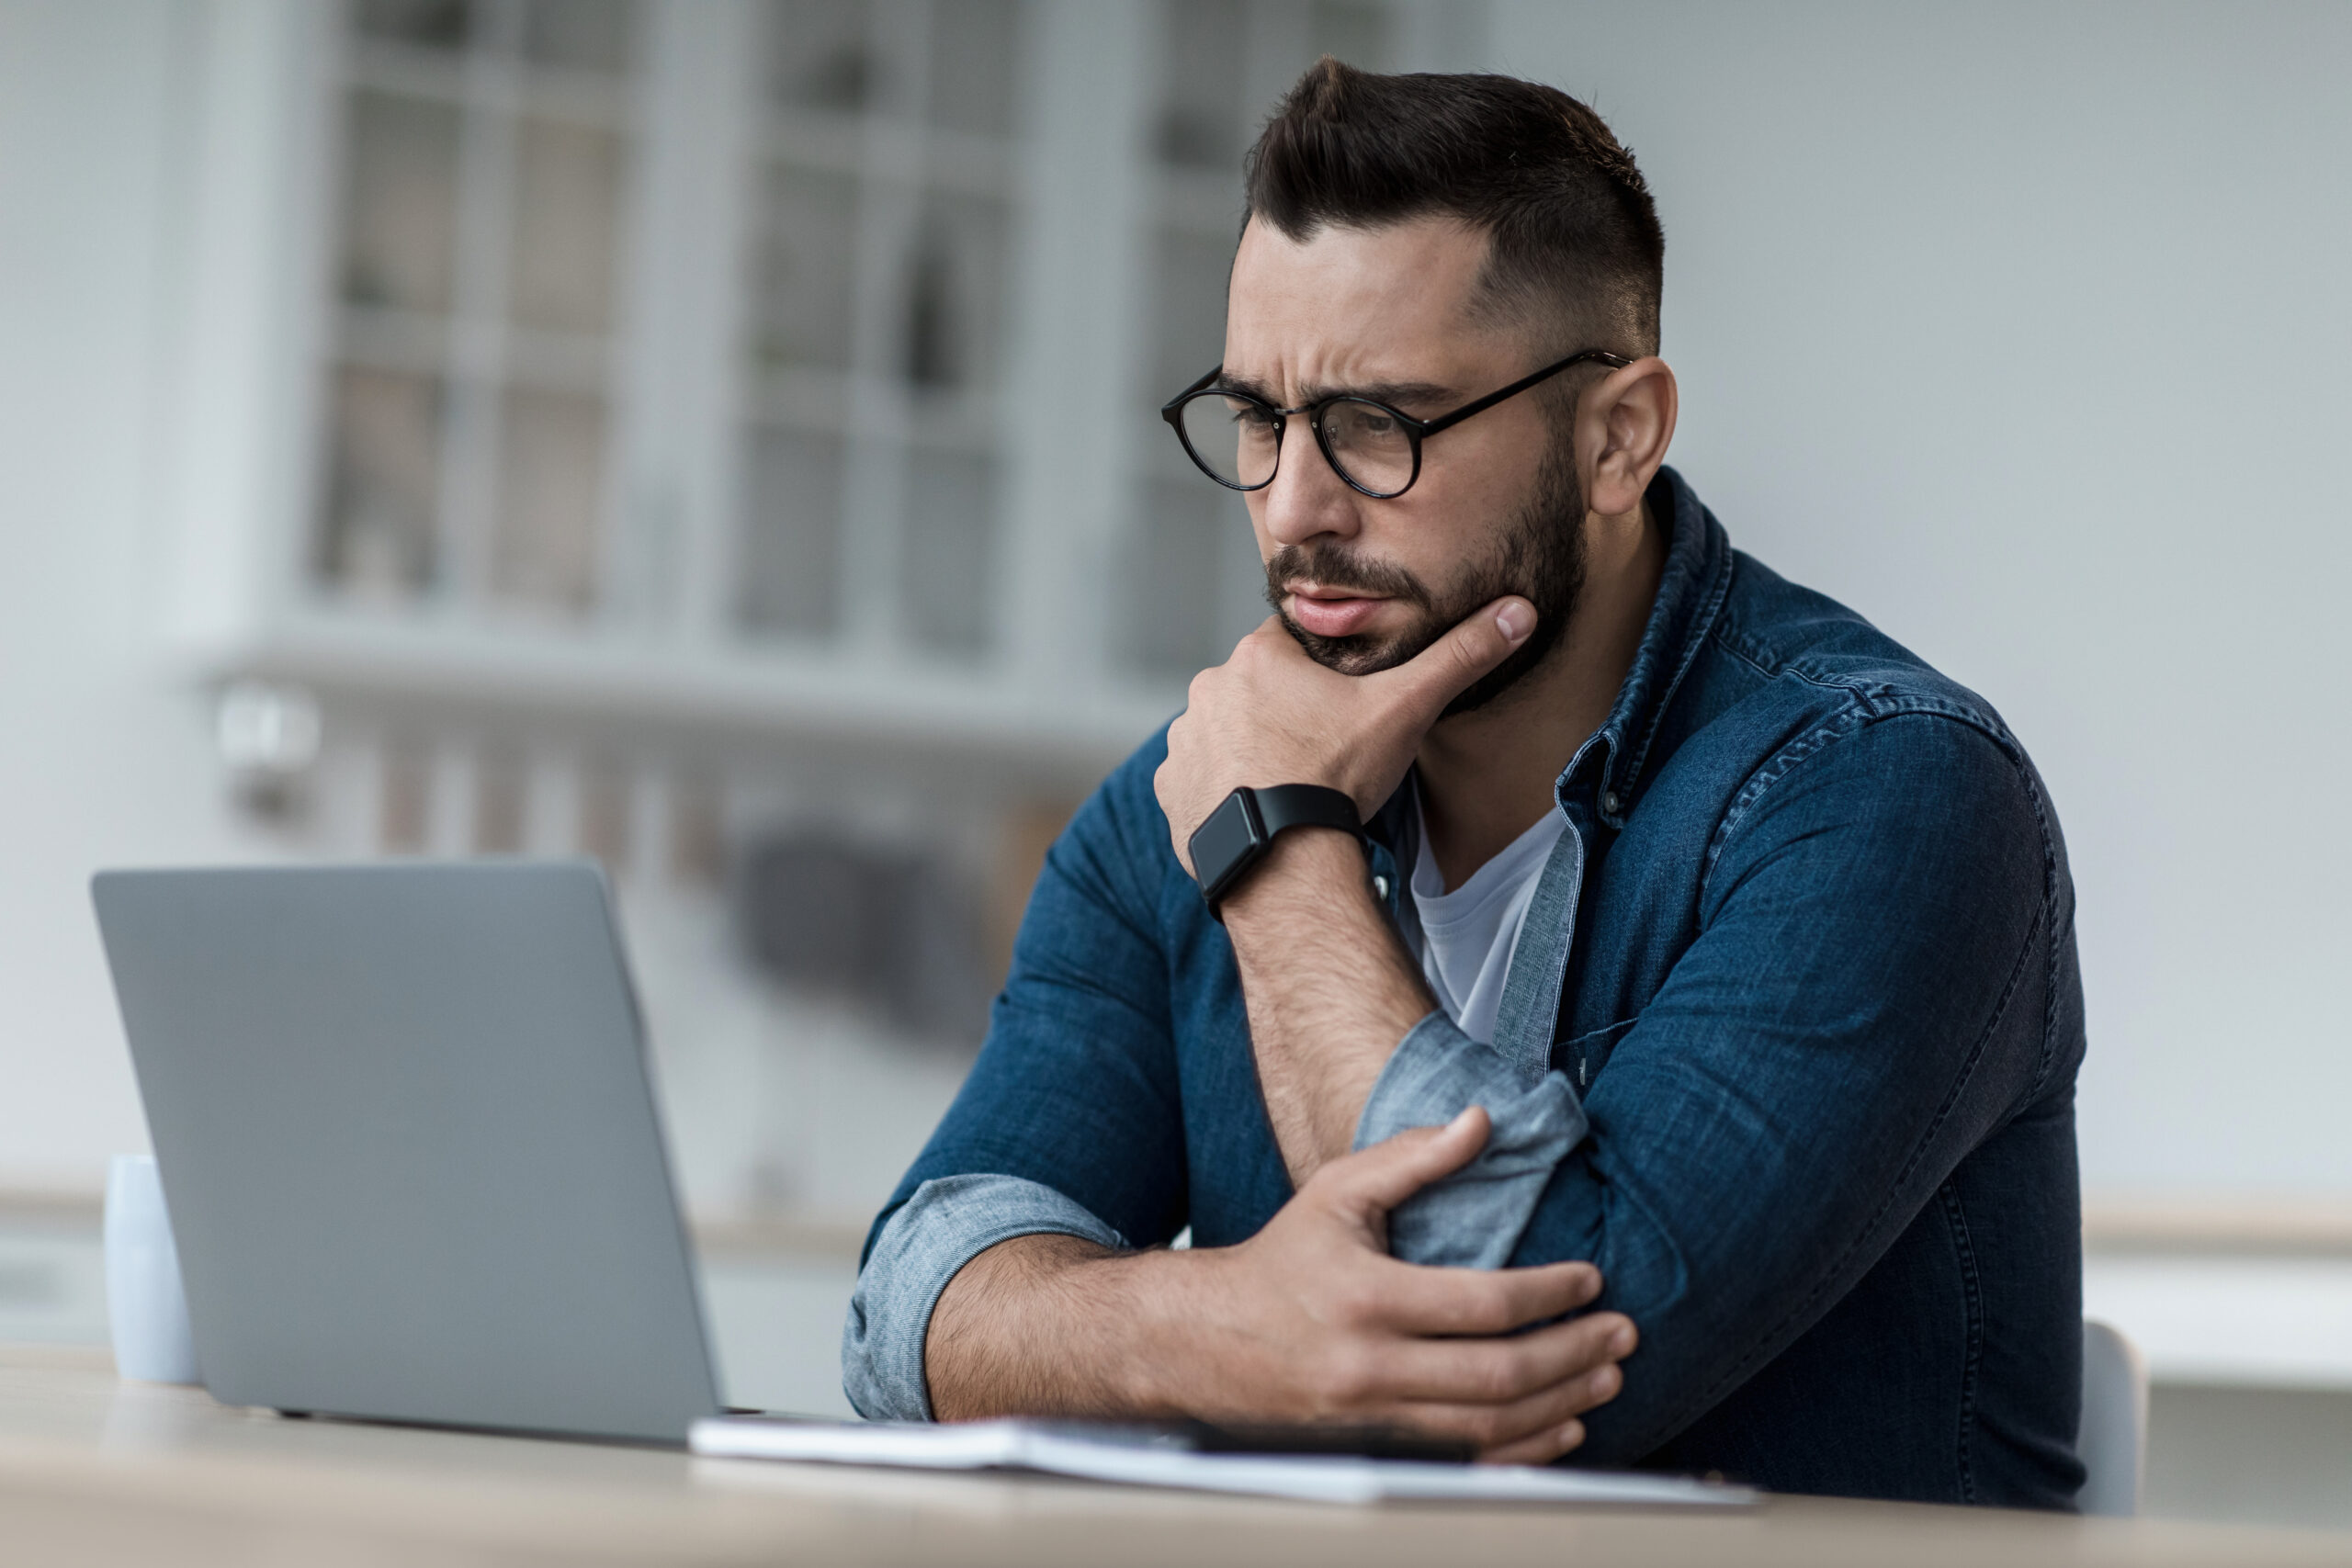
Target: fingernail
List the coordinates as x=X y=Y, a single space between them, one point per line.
x=1515 y=620
x=1571 y=1435
x=1621 y=1342
x=1459 y=1117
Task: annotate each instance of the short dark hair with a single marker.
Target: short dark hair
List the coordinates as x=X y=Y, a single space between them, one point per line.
x=1574 y=237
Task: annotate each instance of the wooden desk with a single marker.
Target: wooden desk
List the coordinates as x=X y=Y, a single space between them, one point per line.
x=94 y=1470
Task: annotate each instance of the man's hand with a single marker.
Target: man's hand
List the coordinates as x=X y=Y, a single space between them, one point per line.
x=1330 y=987
x=1271 y=715
x=1309 y=1320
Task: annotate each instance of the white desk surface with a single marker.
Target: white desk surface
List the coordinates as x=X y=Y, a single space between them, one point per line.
x=95 y=1471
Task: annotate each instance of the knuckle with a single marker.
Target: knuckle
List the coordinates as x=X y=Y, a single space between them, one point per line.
x=1350 y=1377
x=1491 y=1310
x=1355 y=1302
x=1508 y=1376
x=1488 y=1428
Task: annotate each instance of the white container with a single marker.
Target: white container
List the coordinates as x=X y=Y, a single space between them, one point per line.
x=146 y=1304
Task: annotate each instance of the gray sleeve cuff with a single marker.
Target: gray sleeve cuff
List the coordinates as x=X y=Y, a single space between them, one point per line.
x=947 y=1223
x=1473 y=1218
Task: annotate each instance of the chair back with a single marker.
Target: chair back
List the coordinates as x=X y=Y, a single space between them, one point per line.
x=2113 y=1443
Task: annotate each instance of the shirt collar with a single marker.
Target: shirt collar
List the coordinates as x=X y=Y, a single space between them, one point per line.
x=1691 y=593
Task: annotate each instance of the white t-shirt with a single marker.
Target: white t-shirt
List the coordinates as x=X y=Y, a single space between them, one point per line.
x=1467 y=935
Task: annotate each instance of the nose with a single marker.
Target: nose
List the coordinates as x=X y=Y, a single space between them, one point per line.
x=1308 y=499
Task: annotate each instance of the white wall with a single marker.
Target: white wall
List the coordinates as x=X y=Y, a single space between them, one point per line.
x=103 y=759
x=2027 y=331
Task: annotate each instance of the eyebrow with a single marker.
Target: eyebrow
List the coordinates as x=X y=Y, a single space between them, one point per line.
x=1378 y=392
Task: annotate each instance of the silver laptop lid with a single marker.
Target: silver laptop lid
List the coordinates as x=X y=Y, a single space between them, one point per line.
x=410 y=1144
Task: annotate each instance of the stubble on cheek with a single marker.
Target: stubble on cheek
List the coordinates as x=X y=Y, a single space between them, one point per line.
x=1539 y=554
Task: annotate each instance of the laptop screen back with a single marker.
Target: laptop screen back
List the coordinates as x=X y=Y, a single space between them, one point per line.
x=410 y=1144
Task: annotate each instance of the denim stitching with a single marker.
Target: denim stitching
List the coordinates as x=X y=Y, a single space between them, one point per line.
x=2050 y=900
x=1700 y=625
x=1972 y=1293
x=1731 y=643
x=1772 y=772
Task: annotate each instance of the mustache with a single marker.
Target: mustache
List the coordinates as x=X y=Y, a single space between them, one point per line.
x=1329 y=566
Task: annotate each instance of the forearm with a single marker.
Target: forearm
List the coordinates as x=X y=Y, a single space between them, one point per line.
x=1331 y=991
x=1049 y=1325
x=1308 y=1320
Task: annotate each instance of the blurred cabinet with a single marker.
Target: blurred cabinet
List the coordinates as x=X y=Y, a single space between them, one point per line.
x=783 y=367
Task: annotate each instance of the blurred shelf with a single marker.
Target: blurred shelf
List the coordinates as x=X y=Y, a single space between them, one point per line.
x=731 y=699
x=2264 y=1227
x=832 y=1237
x=47 y=1208
x=781 y=1237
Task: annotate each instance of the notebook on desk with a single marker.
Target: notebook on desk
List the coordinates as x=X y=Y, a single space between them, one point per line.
x=1191 y=1458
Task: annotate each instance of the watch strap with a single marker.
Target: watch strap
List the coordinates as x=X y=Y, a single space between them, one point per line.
x=1307 y=806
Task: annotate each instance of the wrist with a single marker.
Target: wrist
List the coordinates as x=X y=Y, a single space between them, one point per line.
x=1322 y=862
x=1146 y=1362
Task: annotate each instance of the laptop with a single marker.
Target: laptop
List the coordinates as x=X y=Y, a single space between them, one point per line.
x=410 y=1144
x=416 y=1173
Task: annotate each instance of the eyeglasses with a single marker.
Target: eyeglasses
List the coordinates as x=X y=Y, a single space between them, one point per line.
x=1237 y=439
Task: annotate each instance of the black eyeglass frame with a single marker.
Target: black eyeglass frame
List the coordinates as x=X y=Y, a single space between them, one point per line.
x=1416 y=430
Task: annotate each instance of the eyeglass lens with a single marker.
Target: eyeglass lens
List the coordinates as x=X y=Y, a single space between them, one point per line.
x=1232 y=437
x=1235 y=439
x=1368 y=446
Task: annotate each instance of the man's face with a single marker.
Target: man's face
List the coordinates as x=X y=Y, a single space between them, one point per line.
x=1366 y=584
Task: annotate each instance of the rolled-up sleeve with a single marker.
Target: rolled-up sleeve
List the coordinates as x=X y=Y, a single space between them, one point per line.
x=948 y=1221
x=1072 y=1119
x=1474 y=1217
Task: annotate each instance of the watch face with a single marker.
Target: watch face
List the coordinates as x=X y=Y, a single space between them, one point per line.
x=1221 y=845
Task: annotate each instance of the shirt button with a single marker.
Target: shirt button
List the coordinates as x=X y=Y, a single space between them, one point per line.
x=1380 y=887
x=1611 y=803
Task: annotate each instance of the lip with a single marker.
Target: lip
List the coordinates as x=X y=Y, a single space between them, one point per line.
x=1326 y=612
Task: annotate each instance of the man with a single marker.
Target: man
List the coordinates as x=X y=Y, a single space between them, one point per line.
x=1678 y=1069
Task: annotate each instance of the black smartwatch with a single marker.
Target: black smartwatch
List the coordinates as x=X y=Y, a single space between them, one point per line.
x=1236 y=836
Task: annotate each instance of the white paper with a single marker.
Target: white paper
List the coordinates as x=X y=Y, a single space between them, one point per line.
x=1056 y=1450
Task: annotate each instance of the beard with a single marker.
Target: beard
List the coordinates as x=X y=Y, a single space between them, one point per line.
x=1540 y=558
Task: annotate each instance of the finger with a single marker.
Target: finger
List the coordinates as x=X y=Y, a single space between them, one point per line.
x=1483 y=639
x=1420 y=1300
x=1540 y=1448
x=1497 y=1371
x=1493 y=1426
x=1392 y=1170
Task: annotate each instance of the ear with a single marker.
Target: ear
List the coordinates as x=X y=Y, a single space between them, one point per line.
x=1624 y=423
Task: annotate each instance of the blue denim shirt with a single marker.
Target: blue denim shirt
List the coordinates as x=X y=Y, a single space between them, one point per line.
x=1787 y=1047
